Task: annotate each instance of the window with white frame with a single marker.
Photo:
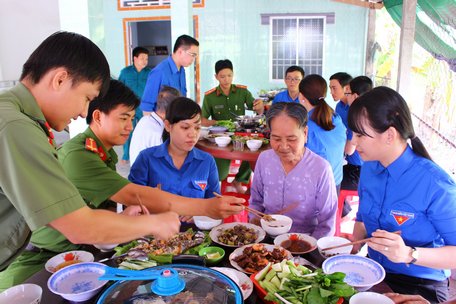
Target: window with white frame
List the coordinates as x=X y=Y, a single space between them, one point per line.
x=296 y=41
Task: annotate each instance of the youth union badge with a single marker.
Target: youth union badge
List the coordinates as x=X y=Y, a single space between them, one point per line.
x=401 y=216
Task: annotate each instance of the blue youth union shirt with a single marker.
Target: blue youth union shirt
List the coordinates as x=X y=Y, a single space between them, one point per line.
x=412 y=195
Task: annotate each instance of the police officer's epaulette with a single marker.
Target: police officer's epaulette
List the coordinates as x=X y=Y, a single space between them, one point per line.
x=91 y=145
x=210 y=91
x=241 y=86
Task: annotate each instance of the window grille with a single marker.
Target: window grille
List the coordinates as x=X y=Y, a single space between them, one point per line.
x=297 y=41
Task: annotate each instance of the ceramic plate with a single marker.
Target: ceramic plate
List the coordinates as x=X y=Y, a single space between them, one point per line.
x=241 y=279
x=301 y=236
x=239 y=251
x=211 y=137
x=76 y=255
x=216 y=231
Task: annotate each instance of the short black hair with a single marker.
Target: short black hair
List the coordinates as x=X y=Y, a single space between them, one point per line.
x=223 y=64
x=186 y=41
x=361 y=85
x=83 y=60
x=139 y=50
x=166 y=95
x=117 y=94
x=342 y=77
x=295 y=68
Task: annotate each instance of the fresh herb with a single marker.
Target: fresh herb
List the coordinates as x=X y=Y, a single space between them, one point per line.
x=231 y=127
x=298 y=285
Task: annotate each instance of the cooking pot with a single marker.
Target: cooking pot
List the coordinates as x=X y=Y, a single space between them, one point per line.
x=250 y=122
x=190 y=283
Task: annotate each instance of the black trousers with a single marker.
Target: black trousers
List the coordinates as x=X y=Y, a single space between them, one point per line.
x=433 y=291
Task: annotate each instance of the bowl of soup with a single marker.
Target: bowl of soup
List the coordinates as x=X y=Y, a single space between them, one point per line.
x=279 y=224
x=296 y=243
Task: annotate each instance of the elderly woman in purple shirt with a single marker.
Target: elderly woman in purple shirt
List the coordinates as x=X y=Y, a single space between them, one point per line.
x=289 y=173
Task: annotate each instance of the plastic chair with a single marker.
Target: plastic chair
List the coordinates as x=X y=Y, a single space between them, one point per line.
x=234 y=168
x=340 y=206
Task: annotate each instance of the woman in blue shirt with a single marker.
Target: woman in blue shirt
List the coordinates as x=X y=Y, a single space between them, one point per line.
x=327 y=133
x=176 y=165
x=402 y=189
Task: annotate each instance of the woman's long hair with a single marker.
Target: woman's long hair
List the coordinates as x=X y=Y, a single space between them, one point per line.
x=181 y=108
x=383 y=108
x=313 y=88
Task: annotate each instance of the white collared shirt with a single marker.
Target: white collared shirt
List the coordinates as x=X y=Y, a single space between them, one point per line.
x=147 y=133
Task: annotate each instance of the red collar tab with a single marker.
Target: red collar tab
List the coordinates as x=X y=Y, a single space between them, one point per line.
x=91 y=145
x=50 y=134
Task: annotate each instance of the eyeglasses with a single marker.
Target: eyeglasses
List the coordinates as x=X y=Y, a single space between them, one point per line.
x=293 y=79
x=194 y=55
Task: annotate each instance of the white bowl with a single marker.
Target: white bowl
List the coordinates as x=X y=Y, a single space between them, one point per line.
x=78 y=282
x=367 y=297
x=254 y=144
x=330 y=241
x=205 y=222
x=362 y=273
x=222 y=141
x=281 y=225
x=105 y=247
x=217 y=129
x=204 y=131
x=310 y=240
x=22 y=294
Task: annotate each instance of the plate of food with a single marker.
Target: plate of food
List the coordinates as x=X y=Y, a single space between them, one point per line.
x=237 y=234
x=147 y=252
x=240 y=278
x=254 y=257
x=68 y=258
x=296 y=243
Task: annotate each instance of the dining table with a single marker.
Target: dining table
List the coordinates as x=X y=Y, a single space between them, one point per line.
x=311 y=259
x=230 y=153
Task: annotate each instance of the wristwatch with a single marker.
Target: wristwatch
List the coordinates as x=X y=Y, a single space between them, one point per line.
x=415 y=255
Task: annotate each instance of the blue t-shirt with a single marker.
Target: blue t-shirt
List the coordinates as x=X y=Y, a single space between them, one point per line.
x=284 y=97
x=165 y=73
x=412 y=195
x=197 y=178
x=342 y=110
x=328 y=144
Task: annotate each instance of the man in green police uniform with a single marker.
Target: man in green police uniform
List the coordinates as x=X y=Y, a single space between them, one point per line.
x=222 y=103
x=57 y=83
x=89 y=161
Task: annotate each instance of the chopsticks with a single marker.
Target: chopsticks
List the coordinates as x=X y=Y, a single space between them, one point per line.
x=143 y=209
x=354 y=243
x=260 y=214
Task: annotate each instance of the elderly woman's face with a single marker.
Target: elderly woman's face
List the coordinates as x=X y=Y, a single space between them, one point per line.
x=287 y=139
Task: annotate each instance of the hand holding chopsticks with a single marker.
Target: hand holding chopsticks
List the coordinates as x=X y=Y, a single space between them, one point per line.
x=143 y=209
x=353 y=243
x=260 y=214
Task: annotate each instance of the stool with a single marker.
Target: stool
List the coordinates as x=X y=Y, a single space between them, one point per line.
x=340 y=206
x=242 y=217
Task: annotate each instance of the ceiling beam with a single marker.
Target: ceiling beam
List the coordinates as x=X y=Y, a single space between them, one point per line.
x=363 y=3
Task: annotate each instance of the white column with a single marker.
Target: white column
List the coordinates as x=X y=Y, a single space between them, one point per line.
x=406 y=47
x=182 y=23
x=74 y=17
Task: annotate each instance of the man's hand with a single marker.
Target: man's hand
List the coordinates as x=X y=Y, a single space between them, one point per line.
x=258 y=106
x=135 y=210
x=165 y=225
x=222 y=207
